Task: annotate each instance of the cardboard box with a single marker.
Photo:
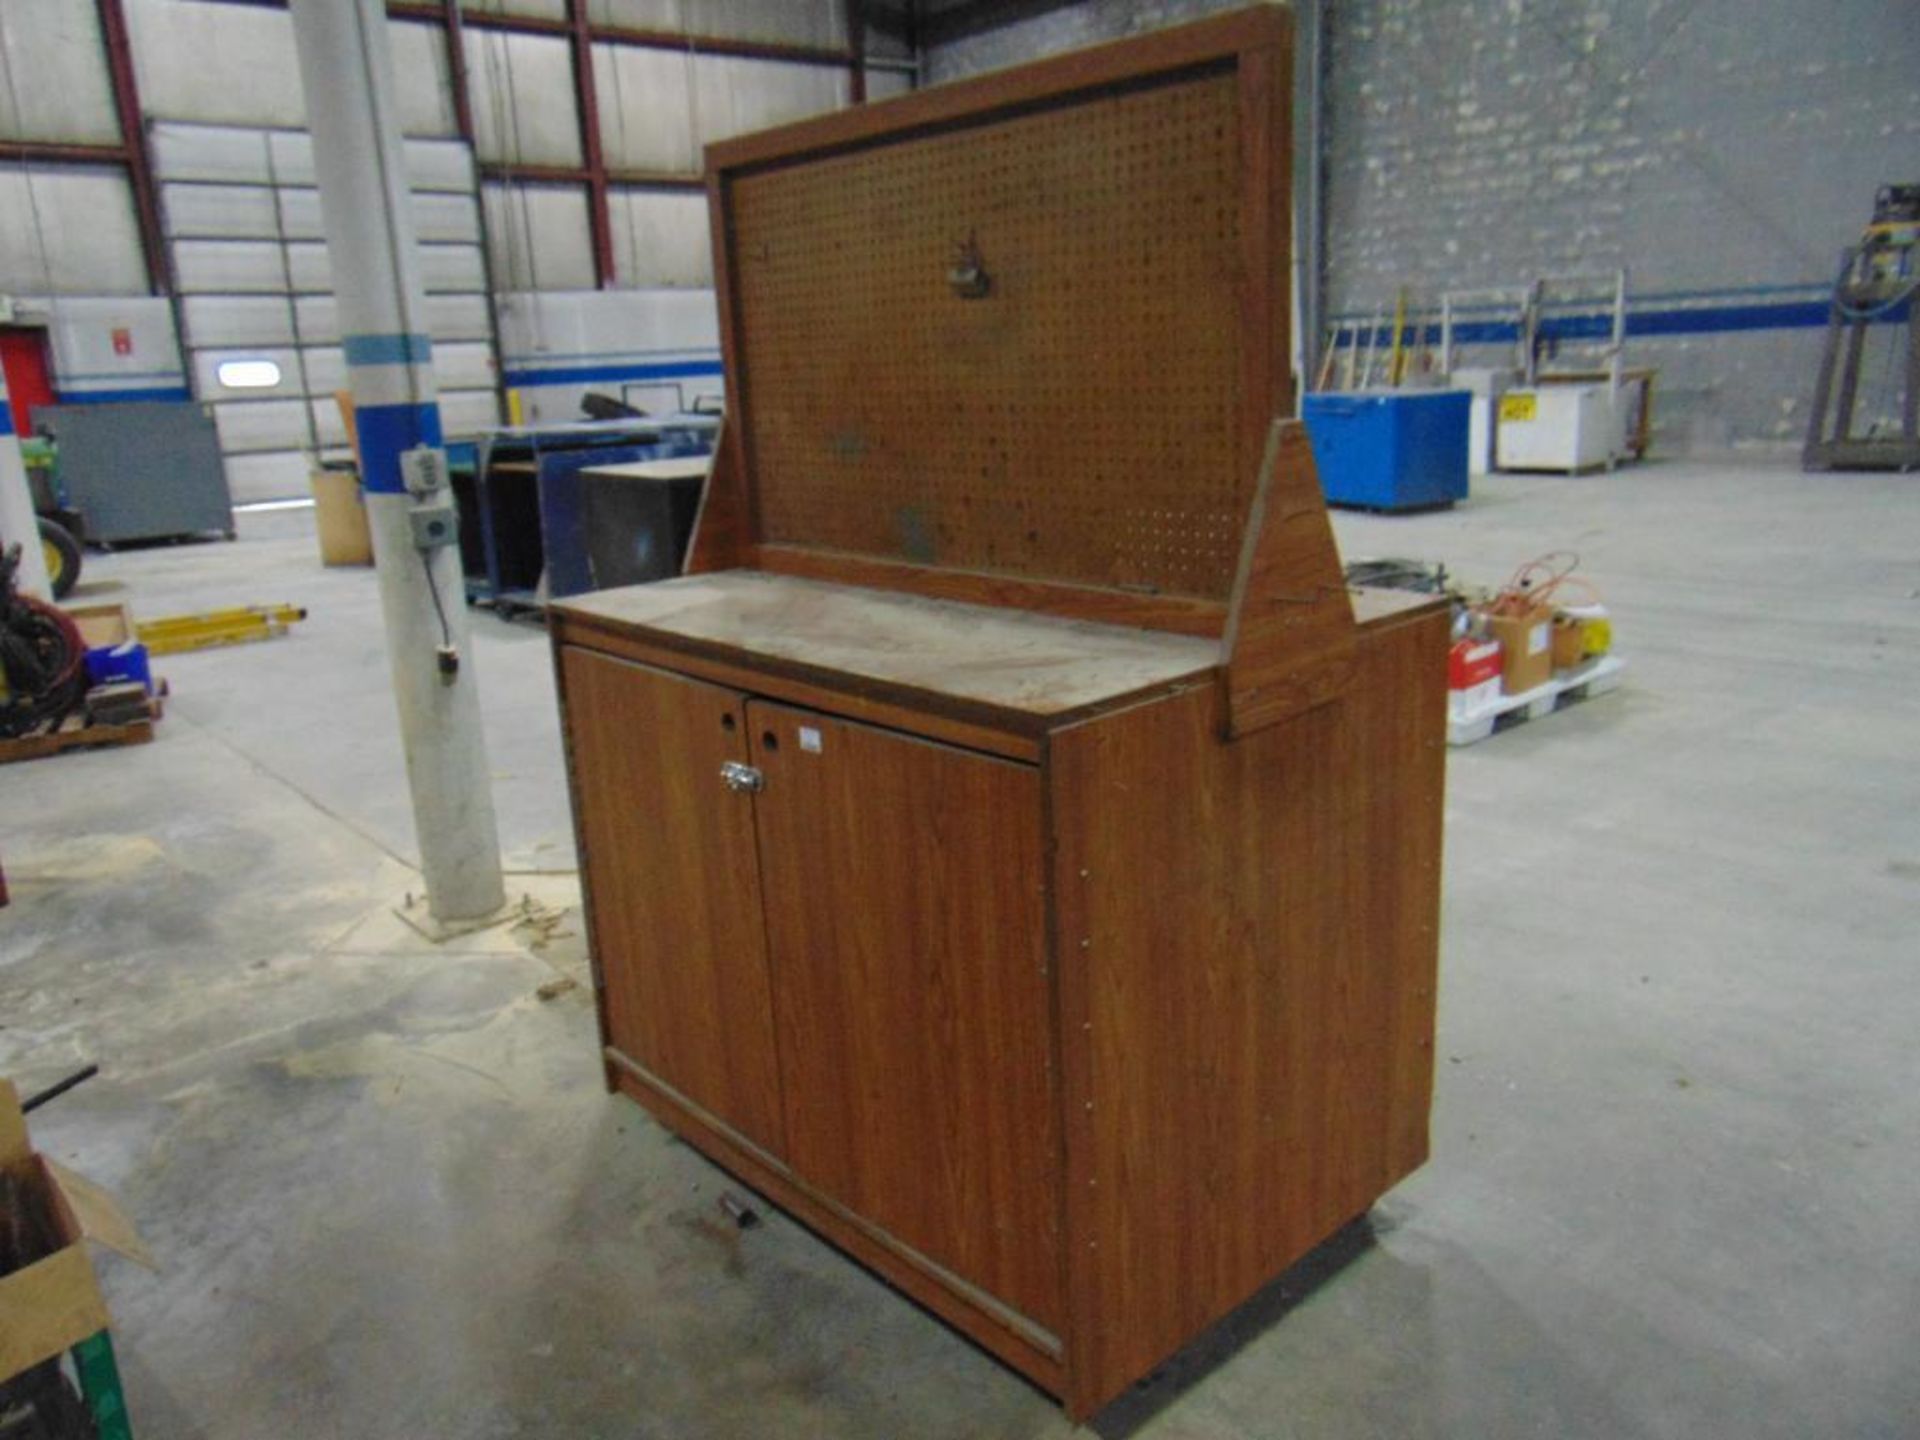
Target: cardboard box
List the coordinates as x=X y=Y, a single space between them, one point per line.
x=52 y=1303
x=1473 y=677
x=114 y=651
x=1526 y=649
x=1569 y=641
x=103 y=626
x=340 y=518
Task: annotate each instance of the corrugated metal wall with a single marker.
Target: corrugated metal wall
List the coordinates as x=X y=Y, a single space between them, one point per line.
x=63 y=229
x=250 y=268
x=220 y=89
x=53 y=85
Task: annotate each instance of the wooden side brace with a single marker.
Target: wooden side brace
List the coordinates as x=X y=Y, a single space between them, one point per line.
x=1289 y=640
x=722 y=529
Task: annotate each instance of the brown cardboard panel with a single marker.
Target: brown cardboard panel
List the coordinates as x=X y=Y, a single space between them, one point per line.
x=47 y=1308
x=340 y=518
x=13 y=1126
x=97 y=1215
x=1526 y=659
x=107 y=623
x=54 y=1303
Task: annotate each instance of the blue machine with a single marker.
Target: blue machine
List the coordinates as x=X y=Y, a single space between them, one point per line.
x=563 y=502
x=1393 y=450
x=522 y=510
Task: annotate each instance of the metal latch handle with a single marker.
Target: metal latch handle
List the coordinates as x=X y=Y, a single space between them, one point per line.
x=741 y=777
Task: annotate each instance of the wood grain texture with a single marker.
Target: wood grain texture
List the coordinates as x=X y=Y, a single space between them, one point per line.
x=1403 y=800
x=1080 y=1052
x=975 y=1314
x=1248 y=934
x=1172 y=613
x=1264 y=96
x=771 y=681
x=903 y=886
x=1000 y=661
x=1375 y=606
x=1080 y=422
x=673 y=890
x=722 y=527
x=1289 y=640
x=1095 y=421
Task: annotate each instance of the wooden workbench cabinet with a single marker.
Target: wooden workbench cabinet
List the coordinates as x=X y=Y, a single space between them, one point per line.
x=1044 y=913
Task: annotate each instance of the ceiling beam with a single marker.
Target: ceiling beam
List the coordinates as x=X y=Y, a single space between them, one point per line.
x=432 y=12
x=961 y=22
x=586 y=92
x=133 y=140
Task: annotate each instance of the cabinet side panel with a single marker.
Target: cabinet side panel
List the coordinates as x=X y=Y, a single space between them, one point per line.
x=1255 y=923
x=558 y=634
x=668 y=862
x=1403 y=734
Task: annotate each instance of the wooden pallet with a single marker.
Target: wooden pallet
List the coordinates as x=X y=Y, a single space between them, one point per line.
x=1595 y=677
x=75 y=734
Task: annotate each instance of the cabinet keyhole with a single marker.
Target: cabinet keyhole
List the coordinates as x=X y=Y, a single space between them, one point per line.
x=726 y=722
x=770 y=740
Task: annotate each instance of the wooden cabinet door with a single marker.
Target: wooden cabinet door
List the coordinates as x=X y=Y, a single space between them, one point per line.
x=673 y=886
x=905 y=903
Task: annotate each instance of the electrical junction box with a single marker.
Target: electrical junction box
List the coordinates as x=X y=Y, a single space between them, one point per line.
x=434 y=526
x=1564 y=428
x=424 y=469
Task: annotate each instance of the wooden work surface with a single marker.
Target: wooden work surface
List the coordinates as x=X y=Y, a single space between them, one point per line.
x=1036 y=665
x=1373 y=605
x=686 y=467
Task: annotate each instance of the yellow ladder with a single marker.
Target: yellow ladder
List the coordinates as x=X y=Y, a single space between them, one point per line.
x=174 y=633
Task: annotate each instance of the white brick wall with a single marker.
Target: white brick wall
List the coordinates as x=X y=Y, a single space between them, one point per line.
x=1706 y=144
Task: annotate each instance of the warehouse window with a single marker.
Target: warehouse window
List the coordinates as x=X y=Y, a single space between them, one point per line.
x=248 y=374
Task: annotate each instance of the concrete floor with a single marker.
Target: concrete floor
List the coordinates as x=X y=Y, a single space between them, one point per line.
x=1676 y=1177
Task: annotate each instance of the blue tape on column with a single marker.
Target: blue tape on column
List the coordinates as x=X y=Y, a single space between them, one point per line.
x=387 y=349
x=387 y=430
x=6 y=418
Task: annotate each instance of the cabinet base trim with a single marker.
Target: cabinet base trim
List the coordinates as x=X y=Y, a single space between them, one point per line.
x=1029 y=1348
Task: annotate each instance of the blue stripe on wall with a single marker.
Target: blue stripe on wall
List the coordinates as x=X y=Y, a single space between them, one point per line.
x=385 y=431
x=89 y=377
x=1697 y=320
x=1806 y=315
x=115 y=397
x=529 y=377
x=394 y=349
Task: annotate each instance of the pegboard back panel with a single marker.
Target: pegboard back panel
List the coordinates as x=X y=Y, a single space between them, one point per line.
x=1041 y=339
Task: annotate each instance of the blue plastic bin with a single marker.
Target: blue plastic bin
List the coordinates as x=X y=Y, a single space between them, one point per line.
x=1404 y=450
x=120 y=664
